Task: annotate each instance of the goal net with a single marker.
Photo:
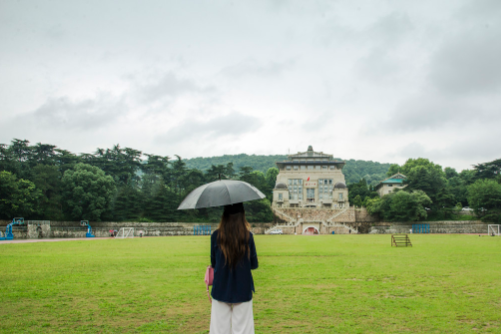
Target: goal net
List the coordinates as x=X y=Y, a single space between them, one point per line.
x=125 y=232
x=493 y=230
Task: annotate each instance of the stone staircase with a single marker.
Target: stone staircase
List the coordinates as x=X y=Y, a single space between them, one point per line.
x=330 y=220
x=324 y=217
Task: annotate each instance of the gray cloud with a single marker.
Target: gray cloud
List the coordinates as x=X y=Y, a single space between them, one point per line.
x=480 y=11
x=86 y=114
x=469 y=62
x=477 y=148
x=253 y=67
x=462 y=79
x=231 y=125
x=430 y=111
x=390 y=29
x=422 y=69
x=169 y=85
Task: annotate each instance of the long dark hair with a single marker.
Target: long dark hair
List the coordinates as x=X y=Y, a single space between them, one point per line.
x=233 y=235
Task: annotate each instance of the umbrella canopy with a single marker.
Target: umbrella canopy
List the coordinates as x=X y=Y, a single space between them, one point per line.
x=220 y=193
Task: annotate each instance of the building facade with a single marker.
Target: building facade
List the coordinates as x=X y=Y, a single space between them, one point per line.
x=387 y=186
x=310 y=180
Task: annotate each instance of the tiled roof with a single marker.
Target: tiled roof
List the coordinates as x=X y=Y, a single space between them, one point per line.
x=393 y=181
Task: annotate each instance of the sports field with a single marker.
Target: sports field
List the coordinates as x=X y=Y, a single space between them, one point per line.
x=315 y=284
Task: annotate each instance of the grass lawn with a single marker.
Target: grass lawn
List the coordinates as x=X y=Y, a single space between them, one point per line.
x=315 y=284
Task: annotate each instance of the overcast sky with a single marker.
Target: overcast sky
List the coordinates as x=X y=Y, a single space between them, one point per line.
x=371 y=80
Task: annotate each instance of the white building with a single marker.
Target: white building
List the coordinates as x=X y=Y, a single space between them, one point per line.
x=310 y=180
x=388 y=185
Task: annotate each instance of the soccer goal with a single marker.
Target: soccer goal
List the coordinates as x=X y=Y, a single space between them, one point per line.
x=125 y=232
x=493 y=230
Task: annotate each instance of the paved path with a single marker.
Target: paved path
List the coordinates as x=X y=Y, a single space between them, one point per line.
x=22 y=241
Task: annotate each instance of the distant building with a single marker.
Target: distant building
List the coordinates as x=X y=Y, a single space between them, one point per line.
x=310 y=180
x=389 y=185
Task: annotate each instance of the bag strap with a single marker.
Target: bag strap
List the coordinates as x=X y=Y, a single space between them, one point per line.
x=207 y=284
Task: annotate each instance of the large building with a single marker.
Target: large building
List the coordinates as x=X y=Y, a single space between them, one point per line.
x=310 y=180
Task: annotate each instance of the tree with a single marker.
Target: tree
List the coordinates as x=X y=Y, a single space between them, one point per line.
x=484 y=197
x=87 y=192
x=271 y=176
x=66 y=160
x=360 y=189
x=162 y=205
x=488 y=170
x=400 y=206
x=422 y=174
x=230 y=171
x=357 y=201
x=43 y=154
x=216 y=172
x=258 y=211
x=394 y=169
x=48 y=180
x=406 y=206
x=18 y=198
x=20 y=152
x=127 y=204
x=450 y=173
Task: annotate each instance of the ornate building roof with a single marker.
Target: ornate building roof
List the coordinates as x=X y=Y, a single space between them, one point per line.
x=310 y=157
x=281 y=185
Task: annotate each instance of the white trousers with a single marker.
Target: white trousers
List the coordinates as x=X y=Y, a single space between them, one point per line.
x=231 y=318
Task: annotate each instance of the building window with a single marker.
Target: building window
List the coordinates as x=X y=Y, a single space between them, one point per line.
x=295 y=167
x=333 y=167
x=310 y=194
x=324 y=167
x=340 y=196
x=303 y=167
x=288 y=167
x=280 y=196
x=325 y=188
x=295 y=189
x=317 y=167
x=310 y=167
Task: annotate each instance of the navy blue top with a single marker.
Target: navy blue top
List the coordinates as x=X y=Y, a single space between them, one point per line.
x=232 y=285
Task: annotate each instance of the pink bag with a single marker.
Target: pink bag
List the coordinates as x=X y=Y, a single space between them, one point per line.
x=209 y=277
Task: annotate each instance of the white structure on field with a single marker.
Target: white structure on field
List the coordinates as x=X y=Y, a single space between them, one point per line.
x=125 y=232
x=493 y=230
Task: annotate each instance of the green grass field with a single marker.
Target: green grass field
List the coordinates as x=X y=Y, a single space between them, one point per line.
x=316 y=284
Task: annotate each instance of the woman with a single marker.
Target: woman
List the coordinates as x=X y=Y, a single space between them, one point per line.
x=233 y=255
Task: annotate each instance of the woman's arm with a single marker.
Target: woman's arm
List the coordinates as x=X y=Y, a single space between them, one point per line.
x=253 y=254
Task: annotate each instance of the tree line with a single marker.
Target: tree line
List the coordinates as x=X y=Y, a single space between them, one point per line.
x=434 y=193
x=42 y=181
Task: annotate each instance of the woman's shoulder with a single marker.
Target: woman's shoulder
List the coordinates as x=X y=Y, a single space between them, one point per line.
x=214 y=234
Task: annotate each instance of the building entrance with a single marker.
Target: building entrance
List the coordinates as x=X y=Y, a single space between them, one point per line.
x=310 y=230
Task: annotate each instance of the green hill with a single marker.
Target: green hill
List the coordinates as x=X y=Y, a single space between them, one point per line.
x=354 y=170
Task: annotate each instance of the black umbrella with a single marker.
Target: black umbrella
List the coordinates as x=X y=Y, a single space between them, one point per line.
x=220 y=193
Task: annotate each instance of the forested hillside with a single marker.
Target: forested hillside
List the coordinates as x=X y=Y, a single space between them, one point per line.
x=257 y=162
x=372 y=172
x=44 y=182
